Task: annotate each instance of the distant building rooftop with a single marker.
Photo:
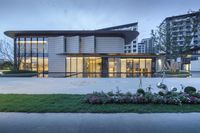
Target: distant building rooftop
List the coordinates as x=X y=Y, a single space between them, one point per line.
x=183 y=16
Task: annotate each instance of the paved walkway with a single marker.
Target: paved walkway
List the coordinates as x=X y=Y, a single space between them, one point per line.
x=99 y=123
x=85 y=85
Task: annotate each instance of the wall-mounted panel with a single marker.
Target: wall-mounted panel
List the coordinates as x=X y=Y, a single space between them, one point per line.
x=109 y=45
x=72 y=44
x=87 y=44
x=56 y=62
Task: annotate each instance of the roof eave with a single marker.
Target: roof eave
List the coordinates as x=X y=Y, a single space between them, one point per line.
x=128 y=35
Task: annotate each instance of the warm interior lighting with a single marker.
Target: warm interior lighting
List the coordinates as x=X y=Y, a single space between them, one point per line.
x=117 y=67
x=187 y=67
x=189 y=56
x=29 y=42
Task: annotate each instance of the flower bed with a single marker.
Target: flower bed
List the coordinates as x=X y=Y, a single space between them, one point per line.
x=142 y=97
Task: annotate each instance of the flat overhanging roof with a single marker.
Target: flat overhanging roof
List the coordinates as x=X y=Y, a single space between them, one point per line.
x=127 y=35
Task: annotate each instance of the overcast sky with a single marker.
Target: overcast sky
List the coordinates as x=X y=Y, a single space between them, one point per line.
x=88 y=14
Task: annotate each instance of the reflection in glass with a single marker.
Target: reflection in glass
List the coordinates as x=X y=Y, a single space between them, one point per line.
x=80 y=66
x=136 y=67
x=123 y=68
x=117 y=67
x=32 y=54
x=83 y=67
x=142 y=67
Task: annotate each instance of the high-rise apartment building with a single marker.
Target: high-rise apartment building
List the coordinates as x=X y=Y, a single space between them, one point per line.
x=141 y=48
x=184 y=29
x=146 y=46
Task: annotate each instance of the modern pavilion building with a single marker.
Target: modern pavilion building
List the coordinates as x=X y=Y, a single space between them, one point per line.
x=87 y=53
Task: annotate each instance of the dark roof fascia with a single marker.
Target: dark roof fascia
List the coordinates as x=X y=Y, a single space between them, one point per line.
x=127 y=35
x=119 y=26
x=13 y=34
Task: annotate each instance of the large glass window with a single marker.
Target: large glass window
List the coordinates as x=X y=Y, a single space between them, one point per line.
x=148 y=66
x=83 y=67
x=40 y=64
x=68 y=65
x=73 y=66
x=22 y=46
x=28 y=54
x=34 y=63
x=92 y=66
x=34 y=46
x=129 y=67
x=28 y=47
x=40 y=46
x=123 y=68
x=98 y=66
x=32 y=54
x=46 y=45
x=45 y=65
x=80 y=66
x=22 y=59
x=136 y=69
x=114 y=67
x=117 y=67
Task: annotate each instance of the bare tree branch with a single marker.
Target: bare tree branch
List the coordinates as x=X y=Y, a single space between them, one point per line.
x=6 y=51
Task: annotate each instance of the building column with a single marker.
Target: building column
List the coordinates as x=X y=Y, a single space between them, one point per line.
x=15 y=55
x=105 y=67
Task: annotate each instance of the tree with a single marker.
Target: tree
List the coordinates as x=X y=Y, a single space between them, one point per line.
x=166 y=41
x=167 y=44
x=7 y=51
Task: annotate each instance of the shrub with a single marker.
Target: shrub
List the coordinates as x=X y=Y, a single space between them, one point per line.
x=141 y=100
x=119 y=99
x=149 y=97
x=127 y=99
x=193 y=100
x=183 y=99
x=172 y=94
x=93 y=99
x=118 y=93
x=157 y=99
x=110 y=93
x=141 y=91
x=161 y=93
x=190 y=90
x=128 y=94
x=196 y=95
x=176 y=98
x=173 y=100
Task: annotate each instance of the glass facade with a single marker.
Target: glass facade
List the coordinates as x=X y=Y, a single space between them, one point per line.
x=32 y=54
x=109 y=67
x=83 y=66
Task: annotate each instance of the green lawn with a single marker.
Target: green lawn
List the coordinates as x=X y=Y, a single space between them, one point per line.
x=74 y=103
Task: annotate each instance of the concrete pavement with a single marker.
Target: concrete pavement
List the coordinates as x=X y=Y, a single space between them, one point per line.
x=85 y=85
x=99 y=123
